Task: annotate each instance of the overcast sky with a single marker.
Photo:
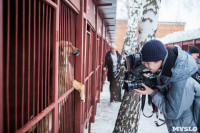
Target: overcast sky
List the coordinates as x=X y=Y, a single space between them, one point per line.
x=171 y=11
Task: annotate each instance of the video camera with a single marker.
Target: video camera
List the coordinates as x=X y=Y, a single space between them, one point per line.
x=137 y=74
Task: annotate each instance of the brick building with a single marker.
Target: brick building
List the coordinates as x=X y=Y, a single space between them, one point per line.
x=164 y=28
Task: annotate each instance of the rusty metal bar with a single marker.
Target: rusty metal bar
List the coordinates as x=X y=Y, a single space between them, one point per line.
x=16 y=57
x=1 y=68
x=42 y=57
x=64 y=48
x=65 y=118
x=67 y=52
x=68 y=31
x=46 y=35
x=23 y=58
x=88 y=117
x=71 y=5
x=55 y=64
x=62 y=116
x=51 y=3
x=36 y=119
x=29 y=51
x=69 y=25
x=7 y=66
x=38 y=85
x=59 y=80
x=48 y=123
x=34 y=45
x=49 y=57
x=86 y=78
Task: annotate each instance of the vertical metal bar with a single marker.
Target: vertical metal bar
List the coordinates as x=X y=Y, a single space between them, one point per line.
x=65 y=47
x=46 y=34
x=1 y=68
x=55 y=64
x=38 y=85
x=7 y=66
x=48 y=119
x=66 y=113
x=34 y=45
x=59 y=72
x=65 y=119
x=29 y=51
x=49 y=56
x=16 y=57
x=23 y=58
x=42 y=56
x=69 y=45
x=63 y=116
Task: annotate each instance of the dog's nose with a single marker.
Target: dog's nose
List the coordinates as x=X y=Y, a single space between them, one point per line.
x=76 y=52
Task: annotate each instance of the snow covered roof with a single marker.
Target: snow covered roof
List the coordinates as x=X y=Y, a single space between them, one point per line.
x=181 y=36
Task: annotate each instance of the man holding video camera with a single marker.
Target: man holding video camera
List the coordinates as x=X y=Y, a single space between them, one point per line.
x=179 y=94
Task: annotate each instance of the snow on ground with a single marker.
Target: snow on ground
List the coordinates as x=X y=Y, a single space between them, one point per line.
x=107 y=114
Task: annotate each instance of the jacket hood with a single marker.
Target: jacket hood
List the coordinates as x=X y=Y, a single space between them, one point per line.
x=185 y=66
x=176 y=67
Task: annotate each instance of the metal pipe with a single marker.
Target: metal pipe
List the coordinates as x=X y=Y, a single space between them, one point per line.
x=16 y=59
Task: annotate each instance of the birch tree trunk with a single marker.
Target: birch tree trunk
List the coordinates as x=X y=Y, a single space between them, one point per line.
x=129 y=113
x=134 y=13
x=148 y=25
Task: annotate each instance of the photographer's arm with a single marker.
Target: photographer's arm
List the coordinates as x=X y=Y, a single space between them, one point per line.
x=177 y=100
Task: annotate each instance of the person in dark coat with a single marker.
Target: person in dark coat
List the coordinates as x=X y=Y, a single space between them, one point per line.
x=178 y=91
x=194 y=51
x=111 y=61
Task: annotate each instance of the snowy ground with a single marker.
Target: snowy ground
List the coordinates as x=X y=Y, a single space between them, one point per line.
x=107 y=114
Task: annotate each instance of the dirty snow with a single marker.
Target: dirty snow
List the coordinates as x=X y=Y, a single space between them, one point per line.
x=107 y=114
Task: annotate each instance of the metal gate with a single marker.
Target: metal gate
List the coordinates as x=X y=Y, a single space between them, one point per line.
x=29 y=89
x=37 y=66
x=67 y=37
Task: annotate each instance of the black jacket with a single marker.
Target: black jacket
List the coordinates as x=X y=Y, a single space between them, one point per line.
x=109 y=64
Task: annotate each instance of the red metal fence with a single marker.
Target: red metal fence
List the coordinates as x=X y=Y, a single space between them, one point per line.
x=38 y=67
x=185 y=45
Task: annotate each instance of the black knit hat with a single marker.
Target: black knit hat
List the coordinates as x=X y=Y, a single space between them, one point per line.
x=153 y=50
x=194 y=49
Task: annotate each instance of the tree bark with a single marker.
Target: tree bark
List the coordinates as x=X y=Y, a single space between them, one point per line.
x=128 y=47
x=129 y=113
x=148 y=25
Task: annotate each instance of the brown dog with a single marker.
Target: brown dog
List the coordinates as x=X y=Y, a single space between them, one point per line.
x=66 y=81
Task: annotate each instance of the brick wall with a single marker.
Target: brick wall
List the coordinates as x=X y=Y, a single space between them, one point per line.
x=164 y=28
x=121 y=27
x=168 y=28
